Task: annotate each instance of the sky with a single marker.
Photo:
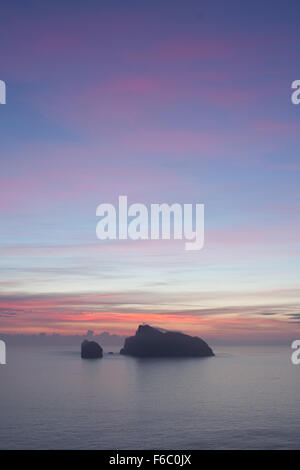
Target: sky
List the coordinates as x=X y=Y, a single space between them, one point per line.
x=186 y=102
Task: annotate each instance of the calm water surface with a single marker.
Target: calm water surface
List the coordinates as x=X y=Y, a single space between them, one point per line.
x=244 y=398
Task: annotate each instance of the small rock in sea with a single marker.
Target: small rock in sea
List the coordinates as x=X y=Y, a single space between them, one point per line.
x=91 y=350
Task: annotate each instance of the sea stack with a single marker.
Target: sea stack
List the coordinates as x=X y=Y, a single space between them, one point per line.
x=91 y=350
x=151 y=342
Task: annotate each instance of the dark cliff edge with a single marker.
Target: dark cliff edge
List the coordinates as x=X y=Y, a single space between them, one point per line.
x=151 y=342
x=91 y=350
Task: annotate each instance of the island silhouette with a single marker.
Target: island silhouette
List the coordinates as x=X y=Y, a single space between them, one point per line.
x=91 y=350
x=153 y=342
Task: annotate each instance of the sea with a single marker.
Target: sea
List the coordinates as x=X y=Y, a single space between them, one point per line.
x=243 y=398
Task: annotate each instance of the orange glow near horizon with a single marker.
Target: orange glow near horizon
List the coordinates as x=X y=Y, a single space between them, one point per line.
x=228 y=327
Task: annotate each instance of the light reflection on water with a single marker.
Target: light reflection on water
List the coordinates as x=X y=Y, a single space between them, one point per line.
x=243 y=398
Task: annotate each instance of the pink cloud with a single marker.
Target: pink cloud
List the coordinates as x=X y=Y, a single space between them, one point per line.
x=176 y=141
x=134 y=84
x=254 y=236
x=184 y=49
x=275 y=128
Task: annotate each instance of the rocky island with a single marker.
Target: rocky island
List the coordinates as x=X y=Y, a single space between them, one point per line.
x=152 y=342
x=91 y=350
